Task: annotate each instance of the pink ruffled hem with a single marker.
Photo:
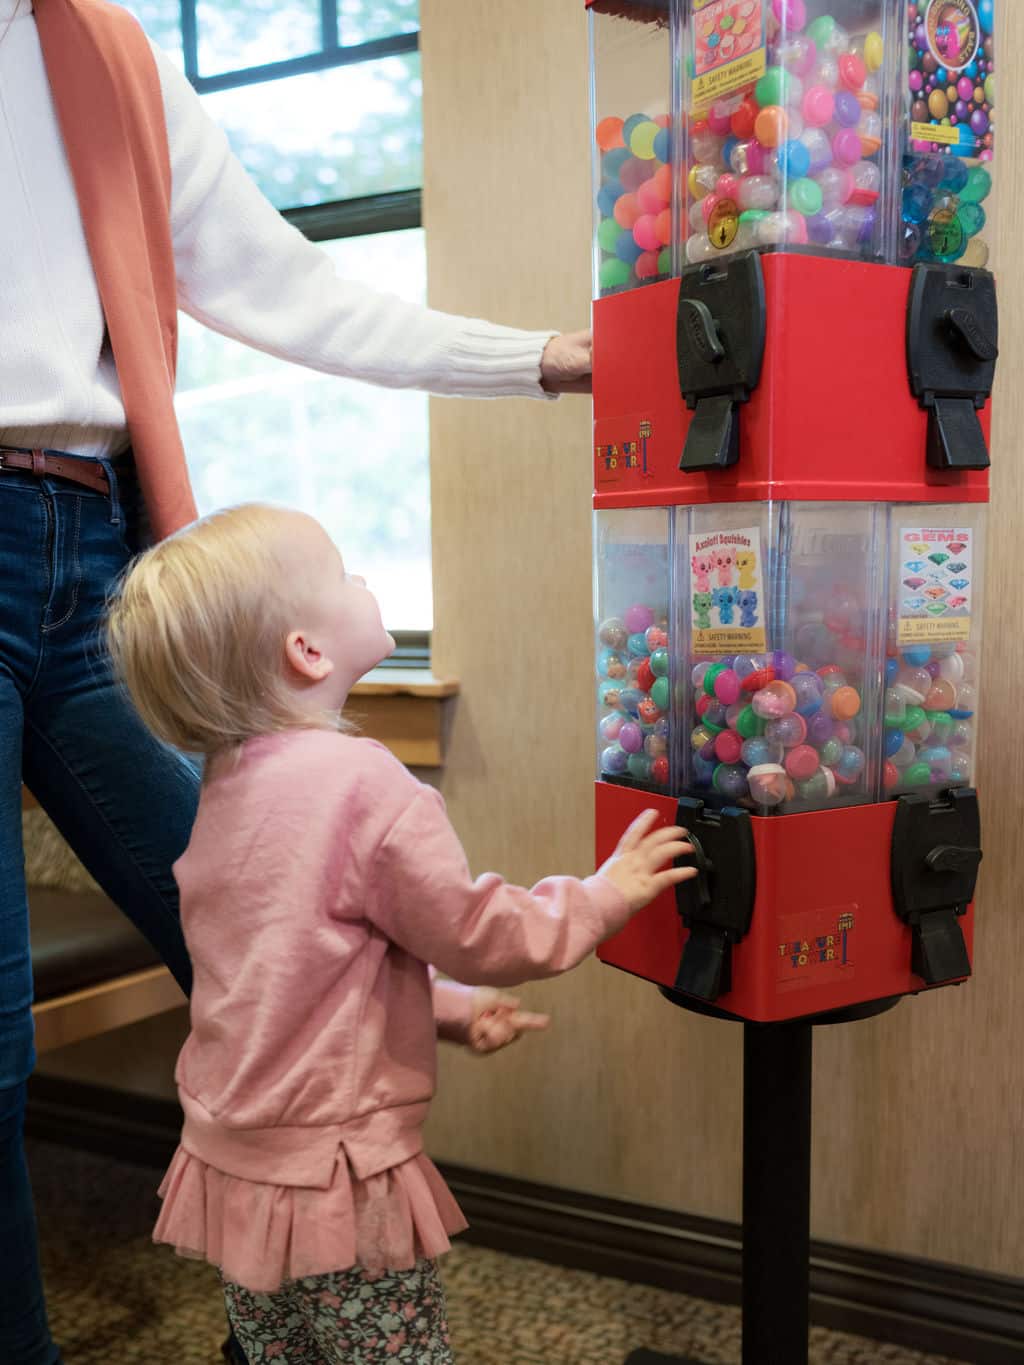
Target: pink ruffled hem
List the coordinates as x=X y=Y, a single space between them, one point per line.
x=261 y=1236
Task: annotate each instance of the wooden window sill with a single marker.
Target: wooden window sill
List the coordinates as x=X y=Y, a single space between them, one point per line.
x=405 y=709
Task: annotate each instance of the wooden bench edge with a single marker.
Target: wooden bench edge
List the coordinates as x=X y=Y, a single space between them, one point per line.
x=105 y=1006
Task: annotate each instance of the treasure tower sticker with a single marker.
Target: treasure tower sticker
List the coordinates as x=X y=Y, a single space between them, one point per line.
x=616 y=459
x=815 y=945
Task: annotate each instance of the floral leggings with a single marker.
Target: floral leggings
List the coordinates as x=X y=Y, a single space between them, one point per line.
x=352 y=1317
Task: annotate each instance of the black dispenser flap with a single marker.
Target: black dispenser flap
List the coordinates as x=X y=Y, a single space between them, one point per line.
x=936 y=850
x=717 y=905
x=720 y=336
x=952 y=347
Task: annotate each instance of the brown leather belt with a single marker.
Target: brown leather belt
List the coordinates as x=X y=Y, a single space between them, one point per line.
x=43 y=464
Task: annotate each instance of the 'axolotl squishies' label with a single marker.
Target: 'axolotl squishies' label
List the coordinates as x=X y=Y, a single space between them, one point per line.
x=727 y=592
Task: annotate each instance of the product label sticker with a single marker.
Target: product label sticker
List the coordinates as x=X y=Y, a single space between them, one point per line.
x=729 y=48
x=952 y=77
x=726 y=599
x=936 y=583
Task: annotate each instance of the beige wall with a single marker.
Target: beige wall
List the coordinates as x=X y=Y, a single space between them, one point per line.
x=918 y=1116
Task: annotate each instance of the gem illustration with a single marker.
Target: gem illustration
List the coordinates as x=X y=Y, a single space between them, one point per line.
x=913 y=583
x=938 y=558
x=959 y=583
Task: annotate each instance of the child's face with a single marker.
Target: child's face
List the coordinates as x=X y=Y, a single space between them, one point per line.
x=338 y=610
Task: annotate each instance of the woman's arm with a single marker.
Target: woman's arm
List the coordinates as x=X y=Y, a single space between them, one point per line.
x=245 y=272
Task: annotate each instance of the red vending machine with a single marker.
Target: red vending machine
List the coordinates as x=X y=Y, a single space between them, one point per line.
x=795 y=339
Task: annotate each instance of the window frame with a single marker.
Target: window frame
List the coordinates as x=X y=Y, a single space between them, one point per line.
x=363 y=216
x=330 y=53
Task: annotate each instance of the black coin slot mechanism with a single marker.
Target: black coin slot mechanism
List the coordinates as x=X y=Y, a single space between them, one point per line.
x=720 y=337
x=952 y=347
x=717 y=905
x=936 y=851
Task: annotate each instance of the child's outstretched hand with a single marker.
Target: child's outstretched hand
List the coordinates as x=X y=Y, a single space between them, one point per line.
x=641 y=866
x=498 y=1021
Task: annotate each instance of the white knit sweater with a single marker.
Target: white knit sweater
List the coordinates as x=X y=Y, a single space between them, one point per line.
x=242 y=270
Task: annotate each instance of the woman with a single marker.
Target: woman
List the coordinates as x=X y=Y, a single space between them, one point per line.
x=100 y=239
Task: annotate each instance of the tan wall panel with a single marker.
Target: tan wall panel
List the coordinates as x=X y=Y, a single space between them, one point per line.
x=918 y=1115
x=591 y=1104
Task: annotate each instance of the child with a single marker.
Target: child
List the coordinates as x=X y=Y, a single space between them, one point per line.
x=320 y=880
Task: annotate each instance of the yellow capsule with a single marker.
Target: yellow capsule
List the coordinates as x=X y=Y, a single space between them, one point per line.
x=874 y=51
x=693 y=180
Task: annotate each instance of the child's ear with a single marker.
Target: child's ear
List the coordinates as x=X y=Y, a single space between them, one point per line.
x=305 y=658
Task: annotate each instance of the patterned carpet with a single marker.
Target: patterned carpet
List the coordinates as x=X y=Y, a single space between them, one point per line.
x=115 y=1299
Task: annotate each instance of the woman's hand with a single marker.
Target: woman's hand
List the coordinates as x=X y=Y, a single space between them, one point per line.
x=498 y=1021
x=566 y=363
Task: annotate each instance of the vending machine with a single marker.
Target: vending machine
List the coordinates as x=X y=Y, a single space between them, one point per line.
x=795 y=336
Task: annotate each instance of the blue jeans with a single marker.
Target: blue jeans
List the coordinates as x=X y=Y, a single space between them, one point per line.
x=123 y=801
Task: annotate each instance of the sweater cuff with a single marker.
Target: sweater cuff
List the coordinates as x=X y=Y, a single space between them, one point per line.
x=485 y=360
x=611 y=907
x=453 y=1009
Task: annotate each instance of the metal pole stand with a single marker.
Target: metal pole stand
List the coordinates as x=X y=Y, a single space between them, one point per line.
x=776 y=1187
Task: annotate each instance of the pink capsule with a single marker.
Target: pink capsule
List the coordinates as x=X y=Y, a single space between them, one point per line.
x=817 y=106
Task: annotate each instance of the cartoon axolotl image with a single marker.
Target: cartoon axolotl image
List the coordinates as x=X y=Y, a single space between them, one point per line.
x=746 y=562
x=724 y=561
x=702 y=566
x=725 y=600
x=748 y=608
x=702 y=611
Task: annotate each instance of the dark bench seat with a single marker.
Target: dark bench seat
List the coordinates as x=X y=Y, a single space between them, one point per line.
x=93 y=970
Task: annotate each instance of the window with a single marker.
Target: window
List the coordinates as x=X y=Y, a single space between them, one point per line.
x=321 y=102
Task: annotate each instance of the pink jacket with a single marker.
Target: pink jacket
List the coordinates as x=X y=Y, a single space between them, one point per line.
x=320 y=880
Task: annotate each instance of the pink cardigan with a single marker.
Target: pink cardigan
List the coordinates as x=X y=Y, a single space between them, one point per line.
x=320 y=880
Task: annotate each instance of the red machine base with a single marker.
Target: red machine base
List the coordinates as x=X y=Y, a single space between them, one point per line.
x=824 y=934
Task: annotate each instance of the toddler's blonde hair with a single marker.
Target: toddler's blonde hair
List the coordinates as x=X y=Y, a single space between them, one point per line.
x=197 y=632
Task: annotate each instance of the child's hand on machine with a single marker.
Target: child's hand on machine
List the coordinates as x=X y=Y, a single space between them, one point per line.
x=498 y=1020
x=638 y=866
